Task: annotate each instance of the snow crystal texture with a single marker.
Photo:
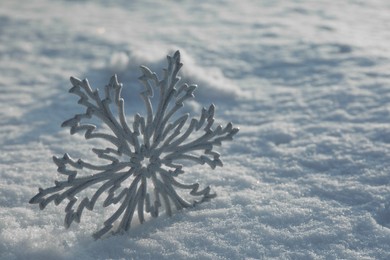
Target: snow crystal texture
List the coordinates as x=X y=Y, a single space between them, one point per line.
x=307 y=82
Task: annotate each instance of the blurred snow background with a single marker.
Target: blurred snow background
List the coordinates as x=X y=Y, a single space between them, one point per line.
x=307 y=82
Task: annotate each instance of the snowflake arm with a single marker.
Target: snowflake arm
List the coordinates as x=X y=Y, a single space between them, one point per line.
x=95 y=106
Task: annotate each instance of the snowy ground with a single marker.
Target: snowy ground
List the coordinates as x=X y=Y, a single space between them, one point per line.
x=307 y=82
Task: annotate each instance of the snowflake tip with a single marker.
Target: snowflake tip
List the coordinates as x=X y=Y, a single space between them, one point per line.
x=75 y=81
x=36 y=198
x=147 y=73
x=114 y=80
x=176 y=55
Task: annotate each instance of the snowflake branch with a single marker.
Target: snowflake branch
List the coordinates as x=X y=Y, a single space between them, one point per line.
x=161 y=131
x=170 y=180
x=101 y=110
x=195 y=125
x=147 y=76
x=127 y=206
x=167 y=89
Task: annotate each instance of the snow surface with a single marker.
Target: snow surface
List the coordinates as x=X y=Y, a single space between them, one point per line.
x=307 y=82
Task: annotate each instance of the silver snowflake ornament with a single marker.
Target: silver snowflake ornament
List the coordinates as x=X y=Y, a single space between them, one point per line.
x=142 y=161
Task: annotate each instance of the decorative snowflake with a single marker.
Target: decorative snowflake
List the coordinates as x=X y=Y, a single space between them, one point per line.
x=146 y=157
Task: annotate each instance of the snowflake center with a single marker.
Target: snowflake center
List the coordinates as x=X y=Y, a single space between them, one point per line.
x=145 y=162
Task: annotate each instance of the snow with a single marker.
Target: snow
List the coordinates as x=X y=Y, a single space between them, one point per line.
x=307 y=82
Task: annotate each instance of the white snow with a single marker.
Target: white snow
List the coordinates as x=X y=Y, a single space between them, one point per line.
x=307 y=82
